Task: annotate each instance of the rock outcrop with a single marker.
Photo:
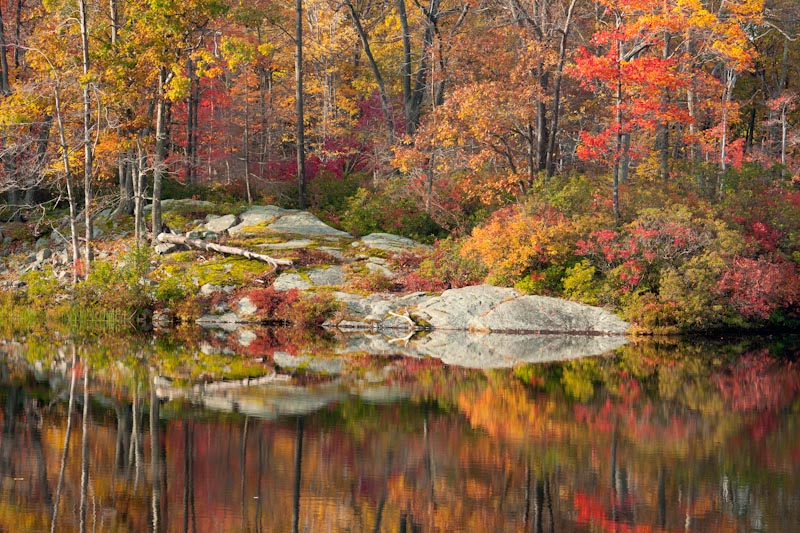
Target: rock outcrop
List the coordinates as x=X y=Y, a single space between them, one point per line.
x=477 y=308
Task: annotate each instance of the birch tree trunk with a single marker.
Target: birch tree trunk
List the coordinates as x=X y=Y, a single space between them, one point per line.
x=300 y=127
x=88 y=155
x=161 y=138
x=73 y=226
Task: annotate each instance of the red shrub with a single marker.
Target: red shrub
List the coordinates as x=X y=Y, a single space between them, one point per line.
x=757 y=287
x=271 y=304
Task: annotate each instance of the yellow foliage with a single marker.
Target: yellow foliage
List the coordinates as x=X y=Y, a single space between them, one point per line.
x=513 y=243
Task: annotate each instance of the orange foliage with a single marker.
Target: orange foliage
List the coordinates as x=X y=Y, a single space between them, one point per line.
x=513 y=243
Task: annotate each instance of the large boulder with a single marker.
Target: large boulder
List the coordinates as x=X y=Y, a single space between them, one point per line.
x=257 y=215
x=542 y=314
x=220 y=224
x=477 y=308
x=376 y=311
x=290 y=280
x=332 y=276
x=304 y=223
x=457 y=308
x=290 y=221
x=185 y=203
x=387 y=242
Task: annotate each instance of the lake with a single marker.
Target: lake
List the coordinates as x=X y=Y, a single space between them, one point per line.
x=657 y=435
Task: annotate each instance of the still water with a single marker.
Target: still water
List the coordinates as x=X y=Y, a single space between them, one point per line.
x=654 y=436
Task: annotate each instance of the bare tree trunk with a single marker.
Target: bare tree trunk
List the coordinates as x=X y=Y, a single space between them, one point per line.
x=138 y=191
x=17 y=30
x=5 y=87
x=662 y=140
x=429 y=183
x=620 y=140
x=300 y=133
x=727 y=90
x=413 y=94
x=784 y=131
x=67 y=436
x=376 y=71
x=84 y=452
x=691 y=95
x=192 y=108
x=88 y=155
x=562 y=56
x=200 y=244
x=161 y=138
x=406 y=68
x=190 y=103
x=114 y=16
x=73 y=223
x=264 y=86
x=264 y=98
x=125 y=182
x=542 y=135
x=246 y=141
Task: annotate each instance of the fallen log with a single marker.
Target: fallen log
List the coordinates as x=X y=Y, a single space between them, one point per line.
x=199 y=244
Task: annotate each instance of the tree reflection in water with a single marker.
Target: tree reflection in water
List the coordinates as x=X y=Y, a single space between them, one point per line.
x=653 y=438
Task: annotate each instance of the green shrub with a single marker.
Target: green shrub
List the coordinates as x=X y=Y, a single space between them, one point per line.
x=649 y=313
x=548 y=281
x=170 y=291
x=329 y=194
x=448 y=268
x=388 y=211
x=117 y=287
x=40 y=286
x=693 y=291
x=581 y=283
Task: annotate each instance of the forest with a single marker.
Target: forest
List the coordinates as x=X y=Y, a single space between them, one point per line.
x=626 y=153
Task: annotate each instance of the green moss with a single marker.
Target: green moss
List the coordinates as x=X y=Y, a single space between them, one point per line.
x=183 y=217
x=248 y=239
x=181 y=257
x=260 y=230
x=181 y=277
x=227 y=271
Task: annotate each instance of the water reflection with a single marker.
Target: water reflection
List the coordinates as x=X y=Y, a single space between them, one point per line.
x=654 y=438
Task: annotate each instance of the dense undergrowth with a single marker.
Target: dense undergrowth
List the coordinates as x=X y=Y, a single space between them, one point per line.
x=111 y=298
x=683 y=258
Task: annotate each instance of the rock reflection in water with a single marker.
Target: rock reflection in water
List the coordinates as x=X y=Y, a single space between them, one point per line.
x=486 y=350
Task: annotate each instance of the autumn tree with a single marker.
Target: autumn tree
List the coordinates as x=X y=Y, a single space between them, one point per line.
x=496 y=130
x=622 y=69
